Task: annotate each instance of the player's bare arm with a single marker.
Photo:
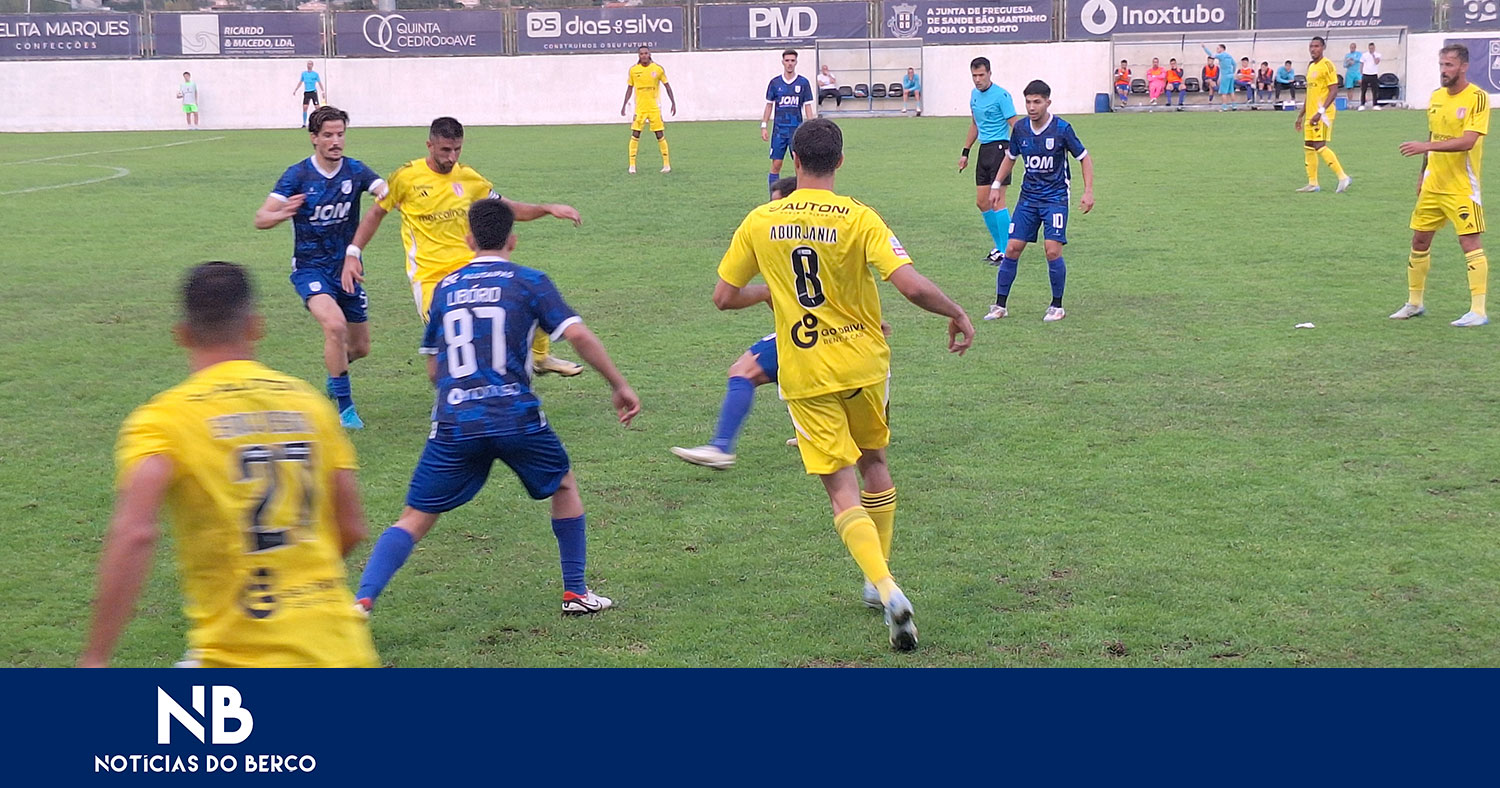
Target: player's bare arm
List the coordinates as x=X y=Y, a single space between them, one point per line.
x=727 y=296
x=1087 y=163
x=354 y=266
x=765 y=117
x=1455 y=145
x=526 y=211
x=276 y=210
x=920 y=290
x=629 y=89
x=670 y=97
x=963 y=158
x=997 y=187
x=348 y=512
x=591 y=350
x=127 y=556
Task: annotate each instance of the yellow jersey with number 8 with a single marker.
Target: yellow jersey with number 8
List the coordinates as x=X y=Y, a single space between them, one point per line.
x=253 y=455
x=817 y=251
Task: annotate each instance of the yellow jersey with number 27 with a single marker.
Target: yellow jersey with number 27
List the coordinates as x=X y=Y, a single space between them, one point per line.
x=818 y=253
x=253 y=455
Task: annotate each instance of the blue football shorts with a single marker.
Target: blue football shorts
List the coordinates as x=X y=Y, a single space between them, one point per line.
x=765 y=355
x=314 y=281
x=781 y=139
x=453 y=471
x=1048 y=216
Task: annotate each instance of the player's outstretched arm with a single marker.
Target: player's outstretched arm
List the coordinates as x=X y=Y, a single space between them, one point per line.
x=1087 y=163
x=591 y=350
x=276 y=210
x=920 y=290
x=526 y=211
x=1454 y=145
x=727 y=296
x=127 y=556
x=628 y=90
x=354 y=265
x=348 y=511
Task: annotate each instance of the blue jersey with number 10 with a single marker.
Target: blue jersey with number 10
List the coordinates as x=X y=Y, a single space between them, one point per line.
x=788 y=98
x=482 y=320
x=1044 y=154
x=324 y=226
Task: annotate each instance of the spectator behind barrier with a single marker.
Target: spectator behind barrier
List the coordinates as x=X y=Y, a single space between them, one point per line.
x=828 y=87
x=1286 y=79
x=911 y=87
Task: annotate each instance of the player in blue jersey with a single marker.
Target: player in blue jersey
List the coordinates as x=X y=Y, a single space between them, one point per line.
x=994 y=114
x=478 y=347
x=310 y=82
x=789 y=97
x=320 y=194
x=1042 y=143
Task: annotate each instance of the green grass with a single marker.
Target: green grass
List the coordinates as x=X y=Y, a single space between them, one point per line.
x=1171 y=476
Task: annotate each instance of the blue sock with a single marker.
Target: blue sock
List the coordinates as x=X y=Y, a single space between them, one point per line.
x=338 y=388
x=737 y=402
x=1004 y=279
x=771 y=179
x=1057 y=271
x=390 y=552
x=572 y=550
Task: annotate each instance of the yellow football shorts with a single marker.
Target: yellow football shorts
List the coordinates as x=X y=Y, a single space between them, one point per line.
x=645 y=118
x=833 y=428
x=1435 y=210
x=1317 y=132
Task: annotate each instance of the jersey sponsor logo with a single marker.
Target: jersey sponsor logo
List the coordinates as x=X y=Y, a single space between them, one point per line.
x=805 y=332
x=460 y=396
x=256 y=597
x=1040 y=163
x=811 y=206
x=330 y=212
x=443 y=216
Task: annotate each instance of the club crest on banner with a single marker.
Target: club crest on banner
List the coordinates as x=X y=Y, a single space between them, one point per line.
x=904 y=22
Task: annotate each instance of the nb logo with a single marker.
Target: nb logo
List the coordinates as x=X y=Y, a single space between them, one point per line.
x=226 y=706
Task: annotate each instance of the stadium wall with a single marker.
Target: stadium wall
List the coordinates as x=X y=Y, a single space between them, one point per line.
x=97 y=95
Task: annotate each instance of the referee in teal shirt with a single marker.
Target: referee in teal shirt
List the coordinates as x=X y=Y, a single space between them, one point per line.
x=994 y=113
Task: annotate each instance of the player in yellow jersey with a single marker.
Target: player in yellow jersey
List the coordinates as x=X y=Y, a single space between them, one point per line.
x=433 y=195
x=815 y=250
x=1458 y=118
x=259 y=480
x=1315 y=119
x=642 y=80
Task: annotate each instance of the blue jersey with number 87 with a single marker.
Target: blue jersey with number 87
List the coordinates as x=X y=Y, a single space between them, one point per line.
x=481 y=324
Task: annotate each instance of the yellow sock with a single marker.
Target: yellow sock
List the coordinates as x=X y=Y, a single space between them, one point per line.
x=541 y=347
x=1479 y=279
x=1310 y=158
x=881 y=506
x=855 y=527
x=1332 y=161
x=666 y=159
x=1416 y=275
x=635 y=145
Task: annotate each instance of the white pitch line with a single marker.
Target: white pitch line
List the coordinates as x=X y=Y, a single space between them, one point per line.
x=115 y=150
x=119 y=172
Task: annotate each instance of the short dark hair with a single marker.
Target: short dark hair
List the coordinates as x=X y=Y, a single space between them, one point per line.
x=1036 y=87
x=490 y=221
x=1320 y=40
x=818 y=144
x=324 y=114
x=217 y=299
x=446 y=128
x=979 y=62
x=786 y=52
x=785 y=186
x=1288 y=62
x=1244 y=60
x=1457 y=49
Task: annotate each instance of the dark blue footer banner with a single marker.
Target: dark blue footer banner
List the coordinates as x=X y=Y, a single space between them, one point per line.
x=710 y=728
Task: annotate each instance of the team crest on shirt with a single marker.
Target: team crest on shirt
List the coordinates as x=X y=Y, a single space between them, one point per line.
x=796 y=88
x=1462 y=111
x=1049 y=143
x=347 y=187
x=458 y=189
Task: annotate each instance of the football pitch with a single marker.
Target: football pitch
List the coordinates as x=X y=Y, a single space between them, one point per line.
x=1173 y=475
